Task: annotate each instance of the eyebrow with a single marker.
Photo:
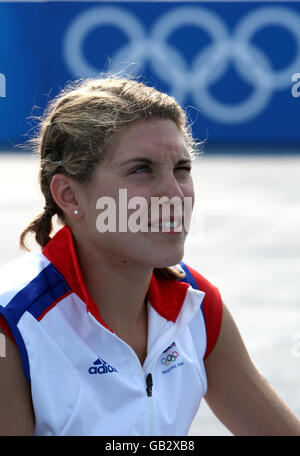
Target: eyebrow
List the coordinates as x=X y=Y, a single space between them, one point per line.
x=151 y=162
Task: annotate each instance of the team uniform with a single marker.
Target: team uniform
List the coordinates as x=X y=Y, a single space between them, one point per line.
x=84 y=379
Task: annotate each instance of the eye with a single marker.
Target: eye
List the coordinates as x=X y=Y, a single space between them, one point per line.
x=141 y=169
x=184 y=169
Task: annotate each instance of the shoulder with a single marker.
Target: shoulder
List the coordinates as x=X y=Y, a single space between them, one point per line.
x=212 y=307
x=18 y=273
x=29 y=287
x=18 y=288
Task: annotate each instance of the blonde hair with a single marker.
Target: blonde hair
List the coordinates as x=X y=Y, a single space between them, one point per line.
x=77 y=127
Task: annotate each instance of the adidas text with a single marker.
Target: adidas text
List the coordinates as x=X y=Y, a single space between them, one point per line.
x=103 y=369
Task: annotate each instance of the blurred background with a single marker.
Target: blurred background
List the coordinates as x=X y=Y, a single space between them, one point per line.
x=235 y=68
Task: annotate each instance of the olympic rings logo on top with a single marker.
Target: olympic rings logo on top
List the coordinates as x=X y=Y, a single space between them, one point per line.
x=169 y=358
x=208 y=66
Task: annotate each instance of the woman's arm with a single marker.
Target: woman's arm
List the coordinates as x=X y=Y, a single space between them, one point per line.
x=238 y=394
x=16 y=411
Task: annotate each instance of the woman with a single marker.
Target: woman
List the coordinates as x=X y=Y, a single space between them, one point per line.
x=105 y=337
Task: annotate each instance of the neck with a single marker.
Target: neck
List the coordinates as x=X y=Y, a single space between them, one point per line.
x=118 y=289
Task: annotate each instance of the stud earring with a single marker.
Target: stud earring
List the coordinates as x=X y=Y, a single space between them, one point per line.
x=76 y=212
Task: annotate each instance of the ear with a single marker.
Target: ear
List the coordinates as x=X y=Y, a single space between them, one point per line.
x=64 y=193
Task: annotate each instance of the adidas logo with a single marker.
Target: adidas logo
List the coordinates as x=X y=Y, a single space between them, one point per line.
x=101 y=367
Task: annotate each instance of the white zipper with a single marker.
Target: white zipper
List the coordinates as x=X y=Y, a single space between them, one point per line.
x=152 y=423
x=148 y=391
x=149 y=396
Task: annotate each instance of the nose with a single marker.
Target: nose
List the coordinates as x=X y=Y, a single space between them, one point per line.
x=169 y=201
x=168 y=186
x=173 y=198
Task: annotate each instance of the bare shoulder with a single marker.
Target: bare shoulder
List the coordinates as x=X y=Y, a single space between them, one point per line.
x=16 y=411
x=238 y=394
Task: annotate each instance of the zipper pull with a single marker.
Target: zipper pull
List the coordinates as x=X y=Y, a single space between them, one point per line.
x=149 y=383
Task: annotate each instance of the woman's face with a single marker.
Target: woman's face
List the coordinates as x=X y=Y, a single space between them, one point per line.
x=149 y=159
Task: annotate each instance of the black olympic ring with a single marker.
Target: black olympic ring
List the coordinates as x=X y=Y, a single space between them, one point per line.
x=169 y=359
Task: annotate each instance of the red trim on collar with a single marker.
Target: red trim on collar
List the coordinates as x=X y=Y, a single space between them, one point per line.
x=165 y=296
x=61 y=251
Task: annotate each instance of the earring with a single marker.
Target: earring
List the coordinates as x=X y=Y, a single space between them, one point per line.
x=76 y=212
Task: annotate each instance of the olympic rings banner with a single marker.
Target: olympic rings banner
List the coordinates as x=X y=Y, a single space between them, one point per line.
x=235 y=66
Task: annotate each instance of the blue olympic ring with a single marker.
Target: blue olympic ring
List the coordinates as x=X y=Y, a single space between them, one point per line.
x=169 y=358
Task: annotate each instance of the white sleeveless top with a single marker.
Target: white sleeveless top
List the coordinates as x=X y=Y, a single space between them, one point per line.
x=84 y=379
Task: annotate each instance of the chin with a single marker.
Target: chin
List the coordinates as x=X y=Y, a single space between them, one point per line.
x=168 y=260
x=155 y=255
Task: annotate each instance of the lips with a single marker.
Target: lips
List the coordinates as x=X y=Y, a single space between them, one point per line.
x=170 y=224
